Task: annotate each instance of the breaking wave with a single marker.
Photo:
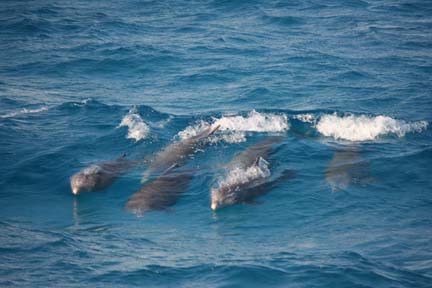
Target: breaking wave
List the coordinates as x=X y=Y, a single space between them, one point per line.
x=232 y=129
x=364 y=128
x=137 y=128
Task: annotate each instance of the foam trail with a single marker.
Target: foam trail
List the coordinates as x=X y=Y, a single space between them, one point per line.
x=137 y=128
x=24 y=111
x=232 y=129
x=192 y=131
x=230 y=137
x=161 y=124
x=239 y=175
x=364 y=128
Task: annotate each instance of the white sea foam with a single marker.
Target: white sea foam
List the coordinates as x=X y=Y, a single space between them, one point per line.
x=239 y=176
x=255 y=121
x=232 y=129
x=162 y=123
x=193 y=130
x=137 y=128
x=23 y=111
x=307 y=118
x=82 y=103
x=364 y=128
x=229 y=137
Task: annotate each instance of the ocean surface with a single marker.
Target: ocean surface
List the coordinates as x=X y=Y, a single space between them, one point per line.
x=347 y=84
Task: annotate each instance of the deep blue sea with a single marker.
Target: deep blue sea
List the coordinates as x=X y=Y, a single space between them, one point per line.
x=347 y=84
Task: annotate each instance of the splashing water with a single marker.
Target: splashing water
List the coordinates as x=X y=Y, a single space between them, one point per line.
x=137 y=128
x=364 y=128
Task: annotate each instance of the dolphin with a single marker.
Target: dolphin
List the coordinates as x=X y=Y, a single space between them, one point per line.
x=248 y=175
x=176 y=153
x=347 y=168
x=248 y=193
x=159 y=194
x=99 y=176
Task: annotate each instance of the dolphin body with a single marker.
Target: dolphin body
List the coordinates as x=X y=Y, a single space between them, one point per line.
x=251 y=175
x=347 y=168
x=165 y=190
x=176 y=153
x=159 y=194
x=100 y=176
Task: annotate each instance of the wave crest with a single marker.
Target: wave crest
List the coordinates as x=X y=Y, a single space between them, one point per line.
x=364 y=128
x=255 y=122
x=137 y=128
x=233 y=128
x=24 y=111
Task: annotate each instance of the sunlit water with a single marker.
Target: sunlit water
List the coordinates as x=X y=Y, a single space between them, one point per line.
x=346 y=83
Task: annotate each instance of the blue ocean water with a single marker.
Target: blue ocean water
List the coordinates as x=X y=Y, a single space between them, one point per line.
x=346 y=83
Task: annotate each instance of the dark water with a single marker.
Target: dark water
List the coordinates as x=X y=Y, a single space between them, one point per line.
x=346 y=83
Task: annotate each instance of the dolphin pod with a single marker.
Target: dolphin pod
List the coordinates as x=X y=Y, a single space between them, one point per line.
x=170 y=183
x=165 y=190
x=248 y=174
x=101 y=175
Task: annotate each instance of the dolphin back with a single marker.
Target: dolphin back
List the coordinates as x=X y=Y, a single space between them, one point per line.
x=159 y=194
x=176 y=153
x=207 y=132
x=262 y=149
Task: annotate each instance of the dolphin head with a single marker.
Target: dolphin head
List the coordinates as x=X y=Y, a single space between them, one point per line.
x=137 y=205
x=81 y=182
x=222 y=196
x=85 y=180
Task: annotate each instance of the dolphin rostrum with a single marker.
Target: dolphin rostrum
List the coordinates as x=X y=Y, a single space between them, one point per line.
x=248 y=174
x=176 y=153
x=100 y=176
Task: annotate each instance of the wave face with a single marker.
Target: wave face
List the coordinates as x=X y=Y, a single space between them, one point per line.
x=346 y=196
